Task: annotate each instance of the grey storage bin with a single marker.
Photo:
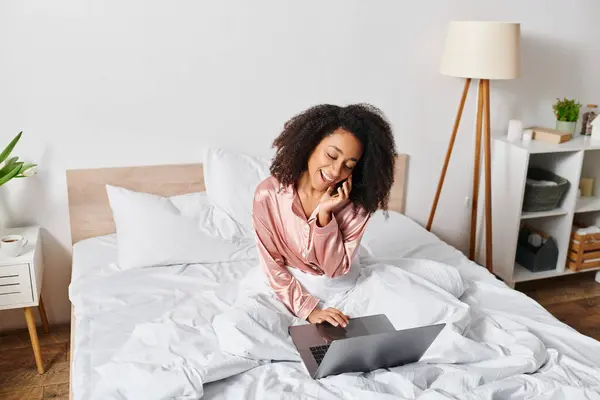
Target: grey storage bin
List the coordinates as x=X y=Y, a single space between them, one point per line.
x=536 y=259
x=540 y=197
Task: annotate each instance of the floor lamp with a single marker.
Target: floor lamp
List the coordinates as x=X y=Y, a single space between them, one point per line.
x=484 y=51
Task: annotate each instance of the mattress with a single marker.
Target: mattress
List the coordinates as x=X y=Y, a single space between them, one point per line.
x=131 y=327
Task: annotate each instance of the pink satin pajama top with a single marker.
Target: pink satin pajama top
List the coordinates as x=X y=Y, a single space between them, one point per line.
x=286 y=238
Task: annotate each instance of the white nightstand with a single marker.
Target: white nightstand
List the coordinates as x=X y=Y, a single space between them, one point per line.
x=21 y=283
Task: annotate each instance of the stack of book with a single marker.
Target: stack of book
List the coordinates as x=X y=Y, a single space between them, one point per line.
x=550 y=135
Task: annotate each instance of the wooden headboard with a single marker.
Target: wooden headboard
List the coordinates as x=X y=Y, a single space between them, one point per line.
x=89 y=210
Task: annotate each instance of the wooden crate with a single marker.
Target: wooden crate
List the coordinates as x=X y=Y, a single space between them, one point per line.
x=584 y=251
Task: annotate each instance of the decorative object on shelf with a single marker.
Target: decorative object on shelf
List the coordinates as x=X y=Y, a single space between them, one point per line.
x=515 y=130
x=478 y=50
x=527 y=135
x=13 y=168
x=550 y=135
x=586 y=119
x=584 y=248
x=567 y=114
x=586 y=185
x=544 y=190
x=595 y=133
x=536 y=250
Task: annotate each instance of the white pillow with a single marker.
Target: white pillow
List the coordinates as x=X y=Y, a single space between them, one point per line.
x=231 y=179
x=152 y=231
x=210 y=218
x=191 y=204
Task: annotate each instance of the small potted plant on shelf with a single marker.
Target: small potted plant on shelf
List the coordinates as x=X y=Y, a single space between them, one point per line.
x=567 y=114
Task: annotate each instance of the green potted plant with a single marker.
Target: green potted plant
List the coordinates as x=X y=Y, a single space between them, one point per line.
x=13 y=168
x=567 y=114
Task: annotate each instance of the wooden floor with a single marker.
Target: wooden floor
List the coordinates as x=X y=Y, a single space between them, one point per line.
x=574 y=300
x=19 y=379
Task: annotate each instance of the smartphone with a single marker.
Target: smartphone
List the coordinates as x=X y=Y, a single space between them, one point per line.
x=339 y=185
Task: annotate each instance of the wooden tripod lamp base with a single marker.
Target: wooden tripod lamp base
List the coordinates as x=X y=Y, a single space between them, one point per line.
x=482 y=125
x=481 y=50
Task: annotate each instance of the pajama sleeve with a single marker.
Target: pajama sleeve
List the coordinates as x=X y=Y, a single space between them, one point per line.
x=336 y=243
x=286 y=287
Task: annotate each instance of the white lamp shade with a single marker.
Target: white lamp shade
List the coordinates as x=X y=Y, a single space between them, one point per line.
x=482 y=50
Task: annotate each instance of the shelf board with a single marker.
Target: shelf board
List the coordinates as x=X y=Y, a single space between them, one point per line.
x=569 y=271
x=521 y=274
x=539 y=214
x=587 y=204
x=539 y=146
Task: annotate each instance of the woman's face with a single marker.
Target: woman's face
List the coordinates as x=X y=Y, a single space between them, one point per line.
x=333 y=159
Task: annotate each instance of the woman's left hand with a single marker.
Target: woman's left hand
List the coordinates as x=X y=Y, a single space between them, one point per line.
x=333 y=201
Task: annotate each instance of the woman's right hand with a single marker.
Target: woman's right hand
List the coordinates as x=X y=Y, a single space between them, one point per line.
x=333 y=199
x=332 y=315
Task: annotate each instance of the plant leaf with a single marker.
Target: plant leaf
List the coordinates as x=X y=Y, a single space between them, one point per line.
x=11 y=160
x=10 y=175
x=566 y=109
x=8 y=169
x=9 y=165
x=6 y=152
x=25 y=167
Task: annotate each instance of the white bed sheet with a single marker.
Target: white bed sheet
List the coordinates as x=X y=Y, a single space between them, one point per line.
x=153 y=291
x=117 y=301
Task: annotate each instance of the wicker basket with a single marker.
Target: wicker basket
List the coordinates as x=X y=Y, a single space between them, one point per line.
x=544 y=198
x=584 y=251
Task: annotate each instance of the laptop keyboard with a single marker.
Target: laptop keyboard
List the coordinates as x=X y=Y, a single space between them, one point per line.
x=318 y=353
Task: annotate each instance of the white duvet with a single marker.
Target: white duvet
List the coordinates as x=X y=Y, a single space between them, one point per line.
x=216 y=331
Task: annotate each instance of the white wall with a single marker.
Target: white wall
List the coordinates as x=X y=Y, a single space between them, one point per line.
x=112 y=83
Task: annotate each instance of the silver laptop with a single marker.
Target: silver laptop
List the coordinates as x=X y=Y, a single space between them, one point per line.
x=365 y=344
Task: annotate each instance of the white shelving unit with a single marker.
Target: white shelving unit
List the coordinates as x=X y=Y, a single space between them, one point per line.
x=587 y=204
x=579 y=157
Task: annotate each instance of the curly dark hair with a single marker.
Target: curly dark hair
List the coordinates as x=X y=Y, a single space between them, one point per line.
x=373 y=175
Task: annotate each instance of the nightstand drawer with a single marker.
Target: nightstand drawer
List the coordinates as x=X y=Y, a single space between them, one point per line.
x=15 y=284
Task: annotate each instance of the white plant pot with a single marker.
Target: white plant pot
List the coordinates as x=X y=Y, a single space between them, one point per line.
x=566 y=126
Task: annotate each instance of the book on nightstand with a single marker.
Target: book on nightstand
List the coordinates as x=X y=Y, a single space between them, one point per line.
x=550 y=135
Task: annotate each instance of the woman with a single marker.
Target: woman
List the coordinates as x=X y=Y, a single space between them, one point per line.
x=333 y=168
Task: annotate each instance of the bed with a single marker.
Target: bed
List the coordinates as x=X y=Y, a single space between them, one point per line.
x=186 y=331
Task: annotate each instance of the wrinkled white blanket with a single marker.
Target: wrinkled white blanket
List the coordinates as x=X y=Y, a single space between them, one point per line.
x=238 y=330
